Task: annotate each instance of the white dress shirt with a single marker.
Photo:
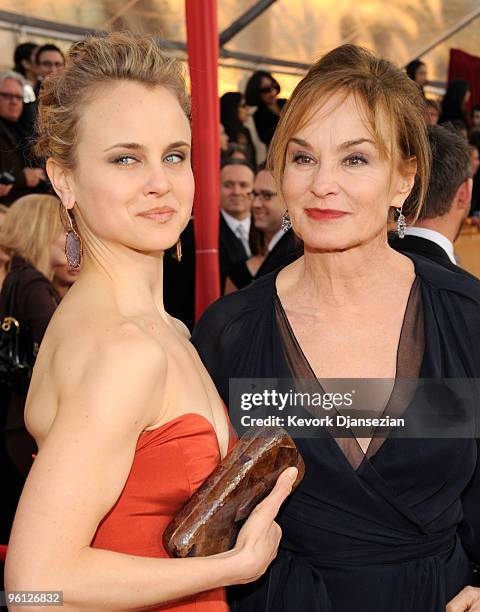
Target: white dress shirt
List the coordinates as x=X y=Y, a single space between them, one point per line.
x=436 y=237
x=275 y=238
x=241 y=229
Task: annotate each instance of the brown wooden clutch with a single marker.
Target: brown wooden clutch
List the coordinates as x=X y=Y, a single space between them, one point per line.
x=210 y=521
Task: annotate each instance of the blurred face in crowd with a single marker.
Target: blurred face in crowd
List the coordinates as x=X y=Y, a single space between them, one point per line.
x=66 y=275
x=30 y=66
x=267 y=207
x=223 y=138
x=337 y=187
x=268 y=91
x=11 y=100
x=49 y=62
x=63 y=278
x=242 y=111
x=432 y=115
x=474 y=160
x=57 y=251
x=236 y=185
x=421 y=75
x=133 y=181
x=476 y=118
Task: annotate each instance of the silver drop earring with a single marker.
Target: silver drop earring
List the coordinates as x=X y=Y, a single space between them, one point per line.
x=401 y=223
x=286 y=223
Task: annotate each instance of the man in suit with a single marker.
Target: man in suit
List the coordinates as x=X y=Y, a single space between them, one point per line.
x=236 y=185
x=13 y=145
x=281 y=248
x=277 y=247
x=447 y=201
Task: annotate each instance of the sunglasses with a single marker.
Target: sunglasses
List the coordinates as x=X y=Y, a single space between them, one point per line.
x=263 y=195
x=265 y=90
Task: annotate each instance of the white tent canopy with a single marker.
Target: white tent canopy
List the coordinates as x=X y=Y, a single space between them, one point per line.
x=284 y=37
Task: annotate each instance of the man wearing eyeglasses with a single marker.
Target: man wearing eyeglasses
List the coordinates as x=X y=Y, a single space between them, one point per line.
x=13 y=149
x=49 y=59
x=277 y=248
x=280 y=246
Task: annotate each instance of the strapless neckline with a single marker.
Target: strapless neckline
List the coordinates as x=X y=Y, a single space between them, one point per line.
x=179 y=418
x=204 y=419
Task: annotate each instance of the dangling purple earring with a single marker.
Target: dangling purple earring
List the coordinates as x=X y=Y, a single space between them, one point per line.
x=73 y=242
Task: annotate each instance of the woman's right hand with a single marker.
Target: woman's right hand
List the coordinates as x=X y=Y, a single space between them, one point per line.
x=258 y=540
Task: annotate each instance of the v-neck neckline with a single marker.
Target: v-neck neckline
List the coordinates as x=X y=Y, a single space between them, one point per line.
x=412 y=326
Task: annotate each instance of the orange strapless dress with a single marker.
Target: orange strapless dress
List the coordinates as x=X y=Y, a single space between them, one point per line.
x=169 y=465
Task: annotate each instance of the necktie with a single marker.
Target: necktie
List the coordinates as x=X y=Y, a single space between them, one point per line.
x=242 y=235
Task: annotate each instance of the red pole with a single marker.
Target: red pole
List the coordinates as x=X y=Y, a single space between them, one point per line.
x=202 y=45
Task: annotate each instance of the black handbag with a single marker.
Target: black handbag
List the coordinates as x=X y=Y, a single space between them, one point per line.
x=17 y=350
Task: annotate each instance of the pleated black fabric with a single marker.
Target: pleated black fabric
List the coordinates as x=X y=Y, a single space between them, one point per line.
x=395 y=529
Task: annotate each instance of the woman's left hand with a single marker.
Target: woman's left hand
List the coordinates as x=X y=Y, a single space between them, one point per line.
x=467 y=599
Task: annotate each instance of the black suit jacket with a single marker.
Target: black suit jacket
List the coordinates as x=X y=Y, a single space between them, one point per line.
x=12 y=159
x=427 y=248
x=179 y=279
x=287 y=250
x=232 y=251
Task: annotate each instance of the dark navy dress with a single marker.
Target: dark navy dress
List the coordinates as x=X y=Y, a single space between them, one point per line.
x=394 y=529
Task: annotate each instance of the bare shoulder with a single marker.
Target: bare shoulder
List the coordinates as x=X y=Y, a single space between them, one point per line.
x=119 y=344
x=180 y=328
x=111 y=369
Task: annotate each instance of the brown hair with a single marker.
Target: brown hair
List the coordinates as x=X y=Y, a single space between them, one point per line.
x=392 y=105
x=450 y=168
x=429 y=102
x=30 y=227
x=90 y=63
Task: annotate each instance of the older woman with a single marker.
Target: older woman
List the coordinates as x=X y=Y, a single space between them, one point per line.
x=123 y=441
x=233 y=114
x=378 y=523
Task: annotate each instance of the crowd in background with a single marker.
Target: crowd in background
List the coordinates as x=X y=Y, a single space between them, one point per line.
x=255 y=237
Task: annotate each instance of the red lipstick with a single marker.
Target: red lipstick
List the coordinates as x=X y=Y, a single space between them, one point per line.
x=326 y=214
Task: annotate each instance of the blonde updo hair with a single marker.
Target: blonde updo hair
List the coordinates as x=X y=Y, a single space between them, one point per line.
x=391 y=103
x=29 y=228
x=90 y=63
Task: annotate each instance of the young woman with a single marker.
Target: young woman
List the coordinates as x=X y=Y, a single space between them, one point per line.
x=417 y=71
x=233 y=114
x=262 y=92
x=379 y=522
x=454 y=103
x=124 y=440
